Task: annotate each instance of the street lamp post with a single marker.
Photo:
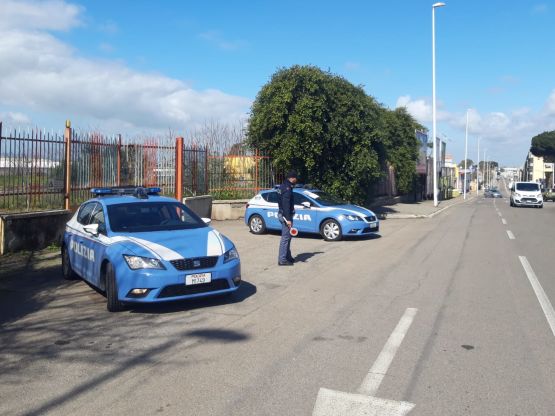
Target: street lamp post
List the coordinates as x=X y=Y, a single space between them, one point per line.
x=485 y=173
x=478 y=170
x=465 y=155
x=434 y=146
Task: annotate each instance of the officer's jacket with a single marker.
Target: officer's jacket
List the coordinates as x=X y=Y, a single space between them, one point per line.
x=285 y=201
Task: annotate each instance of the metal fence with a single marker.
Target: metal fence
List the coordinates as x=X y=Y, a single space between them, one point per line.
x=41 y=171
x=240 y=173
x=103 y=161
x=31 y=170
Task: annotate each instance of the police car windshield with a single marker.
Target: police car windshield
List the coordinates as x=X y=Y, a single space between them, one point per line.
x=152 y=216
x=326 y=200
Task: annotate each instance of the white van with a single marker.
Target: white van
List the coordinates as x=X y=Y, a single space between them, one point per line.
x=527 y=194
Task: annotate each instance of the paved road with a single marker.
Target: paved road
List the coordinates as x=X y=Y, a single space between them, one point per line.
x=479 y=343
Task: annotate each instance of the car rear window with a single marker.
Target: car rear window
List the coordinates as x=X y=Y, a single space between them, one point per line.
x=527 y=187
x=270 y=197
x=152 y=216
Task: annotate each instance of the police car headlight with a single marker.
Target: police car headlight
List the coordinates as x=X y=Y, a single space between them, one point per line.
x=136 y=263
x=352 y=217
x=231 y=255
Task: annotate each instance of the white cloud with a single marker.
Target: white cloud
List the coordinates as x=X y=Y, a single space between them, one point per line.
x=40 y=15
x=503 y=130
x=45 y=75
x=421 y=109
x=14 y=117
x=550 y=104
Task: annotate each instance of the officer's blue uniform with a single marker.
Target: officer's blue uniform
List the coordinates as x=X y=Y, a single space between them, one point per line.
x=286 y=212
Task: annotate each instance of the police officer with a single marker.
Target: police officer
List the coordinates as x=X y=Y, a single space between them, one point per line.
x=285 y=215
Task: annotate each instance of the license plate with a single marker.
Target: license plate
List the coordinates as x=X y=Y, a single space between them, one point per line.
x=373 y=225
x=198 y=278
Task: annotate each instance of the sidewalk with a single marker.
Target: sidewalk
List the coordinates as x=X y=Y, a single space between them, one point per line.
x=422 y=209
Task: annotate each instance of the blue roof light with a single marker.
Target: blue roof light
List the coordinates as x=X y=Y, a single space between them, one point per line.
x=102 y=191
x=128 y=190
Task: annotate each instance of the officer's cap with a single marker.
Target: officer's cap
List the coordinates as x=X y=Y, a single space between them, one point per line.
x=292 y=174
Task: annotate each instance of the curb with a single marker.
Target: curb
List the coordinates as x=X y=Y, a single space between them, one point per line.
x=422 y=216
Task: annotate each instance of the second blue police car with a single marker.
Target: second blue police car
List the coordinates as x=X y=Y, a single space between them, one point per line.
x=140 y=247
x=315 y=212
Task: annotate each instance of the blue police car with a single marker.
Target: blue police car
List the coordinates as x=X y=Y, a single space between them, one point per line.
x=315 y=212
x=138 y=246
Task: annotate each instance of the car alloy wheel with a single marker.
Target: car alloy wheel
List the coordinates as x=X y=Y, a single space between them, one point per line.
x=331 y=230
x=256 y=224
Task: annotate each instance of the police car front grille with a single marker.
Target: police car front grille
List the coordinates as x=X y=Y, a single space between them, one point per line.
x=371 y=218
x=172 y=291
x=195 y=263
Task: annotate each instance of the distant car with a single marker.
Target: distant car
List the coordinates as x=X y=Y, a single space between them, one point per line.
x=526 y=194
x=493 y=193
x=549 y=195
x=137 y=246
x=315 y=212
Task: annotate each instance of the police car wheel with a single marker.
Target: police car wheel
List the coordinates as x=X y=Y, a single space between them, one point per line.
x=113 y=304
x=257 y=225
x=67 y=271
x=331 y=230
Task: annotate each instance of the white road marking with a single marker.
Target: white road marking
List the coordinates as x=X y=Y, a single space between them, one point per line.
x=375 y=376
x=511 y=235
x=337 y=403
x=504 y=221
x=499 y=213
x=540 y=293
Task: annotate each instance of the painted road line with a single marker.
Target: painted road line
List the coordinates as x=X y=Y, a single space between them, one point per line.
x=504 y=221
x=499 y=213
x=337 y=403
x=375 y=376
x=511 y=235
x=540 y=293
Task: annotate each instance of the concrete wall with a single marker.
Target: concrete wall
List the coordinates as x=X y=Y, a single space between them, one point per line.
x=228 y=210
x=31 y=230
x=200 y=205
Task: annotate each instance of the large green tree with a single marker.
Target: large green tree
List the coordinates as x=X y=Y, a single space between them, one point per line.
x=469 y=163
x=543 y=145
x=400 y=147
x=321 y=125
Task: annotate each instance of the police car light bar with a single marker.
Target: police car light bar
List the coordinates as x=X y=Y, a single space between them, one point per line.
x=102 y=191
x=126 y=191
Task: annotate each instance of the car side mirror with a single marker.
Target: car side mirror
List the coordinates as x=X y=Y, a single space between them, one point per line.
x=91 y=229
x=207 y=220
x=306 y=204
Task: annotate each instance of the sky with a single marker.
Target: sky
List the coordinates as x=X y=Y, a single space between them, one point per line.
x=154 y=66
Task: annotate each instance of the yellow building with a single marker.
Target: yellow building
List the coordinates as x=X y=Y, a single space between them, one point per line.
x=536 y=170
